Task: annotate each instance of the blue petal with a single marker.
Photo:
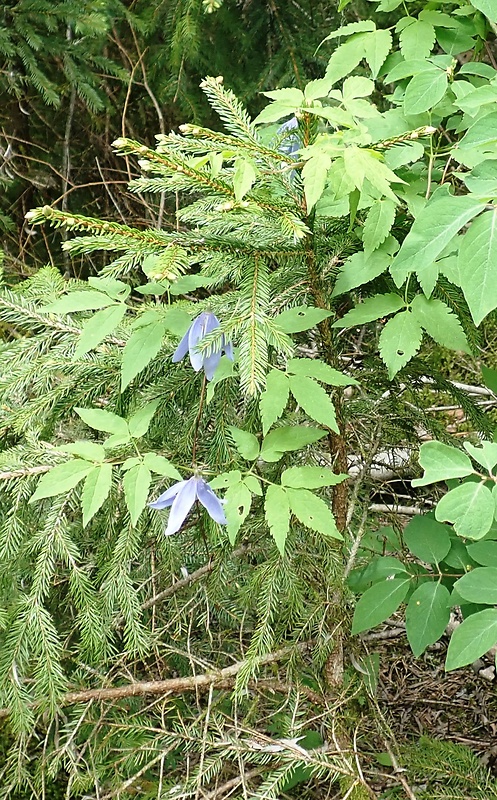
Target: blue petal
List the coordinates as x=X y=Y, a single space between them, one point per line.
x=181 y=506
x=211 y=364
x=289 y=125
x=167 y=497
x=205 y=323
x=228 y=349
x=211 y=502
x=182 y=348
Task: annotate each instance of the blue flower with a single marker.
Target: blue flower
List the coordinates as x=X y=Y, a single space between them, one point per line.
x=290 y=144
x=181 y=498
x=202 y=325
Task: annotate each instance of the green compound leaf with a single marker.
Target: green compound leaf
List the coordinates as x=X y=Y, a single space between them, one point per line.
x=360 y=269
x=243 y=178
x=424 y=91
x=310 y=477
x=277 y=512
x=440 y=323
x=61 y=479
x=98 y=327
x=399 y=341
x=470 y=507
x=441 y=462
x=346 y=57
x=161 y=466
x=476 y=635
x=314 y=400
x=478 y=265
x=371 y=309
x=139 y=422
x=78 y=301
x=314 y=368
x=378 y=225
x=95 y=491
x=301 y=318
x=314 y=175
x=479 y=585
x=417 y=39
x=427 y=539
x=436 y=224
x=378 y=603
x=238 y=499
x=102 y=420
x=274 y=398
x=312 y=512
x=142 y=346
x=246 y=443
x=89 y=451
x=287 y=438
x=427 y=616
x=377 y=45
x=136 y=484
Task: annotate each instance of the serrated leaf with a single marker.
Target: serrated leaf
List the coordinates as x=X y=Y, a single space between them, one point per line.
x=470 y=507
x=486 y=454
x=442 y=462
x=141 y=347
x=431 y=232
x=417 y=39
x=346 y=57
x=362 y=163
x=315 y=368
x=314 y=400
x=371 y=309
x=277 y=513
x=310 y=477
x=275 y=111
x=95 y=491
x=115 y=288
x=440 y=323
x=377 y=46
x=357 y=86
x=246 y=443
x=253 y=484
x=378 y=603
x=312 y=512
x=274 y=398
x=161 y=466
x=424 y=91
x=378 y=225
x=471 y=639
x=90 y=451
x=288 y=438
x=399 y=341
x=61 y=479
x=238 y=500
x=301 y=318
x=243 y=178
x=98 y=327
x=360 y=269
x=478 y=265
x=136 y=483
x=226 y=479
x=479 y=585
x=361 y=26
x=427 y=539
x=427 y=616
x=78 y=301
x=481 y=135
x=289 y=95
x=139 y=422
x=314 y=175
x=101 y=420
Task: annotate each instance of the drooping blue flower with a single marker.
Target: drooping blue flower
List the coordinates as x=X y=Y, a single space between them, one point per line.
x=200 y=327
x=291 y=142
x=180 y=498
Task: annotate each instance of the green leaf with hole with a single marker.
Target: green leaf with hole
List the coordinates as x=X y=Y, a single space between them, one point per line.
x=477 y=265
x=471 y=639
x=310 y=477
x=427 y=616
x=238 y=500
x=371 y=309
x=378 y=603
x=301 y=318
x=314 y=368
x=399 y=341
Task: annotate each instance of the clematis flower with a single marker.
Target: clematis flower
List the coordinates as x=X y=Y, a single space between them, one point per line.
x=200 y=327
x=181 y=497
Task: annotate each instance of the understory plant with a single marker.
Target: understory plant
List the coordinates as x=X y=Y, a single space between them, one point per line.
x=179 y=545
